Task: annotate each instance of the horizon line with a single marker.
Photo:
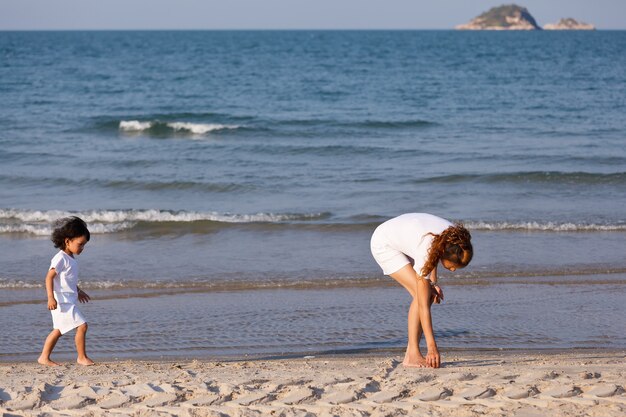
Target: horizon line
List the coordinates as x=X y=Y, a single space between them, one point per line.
x=281 y=30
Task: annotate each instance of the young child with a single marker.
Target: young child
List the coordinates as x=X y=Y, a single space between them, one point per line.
x=408 y=248
x=70 y=235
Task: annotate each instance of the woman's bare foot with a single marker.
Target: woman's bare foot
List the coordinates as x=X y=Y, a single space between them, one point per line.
x=414 y=361
x=85 y=361
x=47 y=361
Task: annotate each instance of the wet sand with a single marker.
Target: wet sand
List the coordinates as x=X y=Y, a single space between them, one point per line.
x=470 y=383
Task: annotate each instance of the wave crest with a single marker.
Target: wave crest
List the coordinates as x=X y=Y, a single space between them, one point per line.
x=40 y=222
x=545 y=226
x=165 y=127
x=531 y=177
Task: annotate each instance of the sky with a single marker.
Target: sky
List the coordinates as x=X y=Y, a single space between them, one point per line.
x=287 y=14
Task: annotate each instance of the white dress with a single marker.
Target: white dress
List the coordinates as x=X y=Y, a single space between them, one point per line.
x=405 y=239
x=66 y=316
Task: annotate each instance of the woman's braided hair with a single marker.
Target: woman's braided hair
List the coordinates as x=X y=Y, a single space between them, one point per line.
x=453 y=244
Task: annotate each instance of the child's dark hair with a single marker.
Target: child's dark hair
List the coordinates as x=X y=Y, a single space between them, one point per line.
x=68 y=228
x=453 y=244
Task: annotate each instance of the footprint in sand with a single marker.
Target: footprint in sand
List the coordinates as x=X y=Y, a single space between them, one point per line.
x=604 y=391
x=71 y=402
x=388 y=395
x=563 y=392
x=160 y=399
x=53 y=392
x=517 y=393
x=297 y=395
x=114 y=400
x=24 y=402
x=551 y=375
x=478 y=393
x=340 y=397
x=467 y=377
x=253 y=398
x=433 y=394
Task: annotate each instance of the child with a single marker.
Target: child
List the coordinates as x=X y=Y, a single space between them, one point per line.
x=70 y=235
x=408 y=248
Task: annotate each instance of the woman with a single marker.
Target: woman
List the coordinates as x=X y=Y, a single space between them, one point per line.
x=408 y=248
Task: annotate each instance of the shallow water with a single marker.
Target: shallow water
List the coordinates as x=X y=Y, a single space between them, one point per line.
x=535 y=314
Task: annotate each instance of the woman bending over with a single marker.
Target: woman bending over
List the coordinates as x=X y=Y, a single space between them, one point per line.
x=408 y=248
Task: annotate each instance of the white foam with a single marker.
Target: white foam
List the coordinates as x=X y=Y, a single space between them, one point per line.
x=39 y=230
x=46 y=229
x=149 y=215
x=19 y=284
x=199 y=128
x=195 y=128
x=134 y=125
x=547 y=226
x=39 y=222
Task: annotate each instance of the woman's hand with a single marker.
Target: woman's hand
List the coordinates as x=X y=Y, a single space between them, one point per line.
x=83 y=297
x=437 y=294
x=52 y=303
x=432 y=357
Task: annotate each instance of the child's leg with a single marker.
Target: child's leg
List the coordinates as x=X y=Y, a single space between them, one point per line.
x=83 y=359
x=48 y=346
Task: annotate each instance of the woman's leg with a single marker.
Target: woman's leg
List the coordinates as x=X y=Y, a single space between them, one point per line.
x=407 y=277
x=48 y=345
x=83 y=359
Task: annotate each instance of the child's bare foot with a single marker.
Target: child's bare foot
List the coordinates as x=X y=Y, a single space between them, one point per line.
x=414 y=361
x=47 y=361
x=85 y=361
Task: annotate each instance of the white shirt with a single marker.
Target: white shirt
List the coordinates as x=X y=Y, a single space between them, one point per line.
x=409 y=234
x=66 y=280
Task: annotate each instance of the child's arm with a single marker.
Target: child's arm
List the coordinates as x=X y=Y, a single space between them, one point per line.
x=83 y=297
x=52 y=303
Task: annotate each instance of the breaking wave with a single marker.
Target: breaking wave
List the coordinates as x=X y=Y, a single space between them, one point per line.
x=171 y=127
x=40 y=222
x=546 y=226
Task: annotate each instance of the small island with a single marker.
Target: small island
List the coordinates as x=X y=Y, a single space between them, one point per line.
x=569 y=24
x=507 y=17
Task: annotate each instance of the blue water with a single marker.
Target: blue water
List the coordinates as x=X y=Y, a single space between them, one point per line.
x=234 y=160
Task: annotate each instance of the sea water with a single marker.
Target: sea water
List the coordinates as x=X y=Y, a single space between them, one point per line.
x=232 y=179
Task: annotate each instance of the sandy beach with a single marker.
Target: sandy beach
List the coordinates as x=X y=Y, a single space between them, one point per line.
x=487 y=383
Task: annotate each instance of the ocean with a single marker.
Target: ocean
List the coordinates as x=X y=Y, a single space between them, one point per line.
x=232 y=179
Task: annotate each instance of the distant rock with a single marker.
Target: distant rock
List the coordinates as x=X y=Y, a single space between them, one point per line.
x=507 y=17
x=569 y=24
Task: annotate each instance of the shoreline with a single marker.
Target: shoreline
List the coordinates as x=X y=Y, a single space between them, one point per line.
x=470 y=383
x=371 y=353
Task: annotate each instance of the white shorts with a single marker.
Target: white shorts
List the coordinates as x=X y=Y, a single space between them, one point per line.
x=388 y=258
x=66 y=317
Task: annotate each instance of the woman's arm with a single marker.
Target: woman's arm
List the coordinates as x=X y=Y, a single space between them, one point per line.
x=423 y=301
x=433 y=275
x=437 y=293
x=52 y=303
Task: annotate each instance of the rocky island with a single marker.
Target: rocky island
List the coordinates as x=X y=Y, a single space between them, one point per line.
x=569 y=24
x=508 y=17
